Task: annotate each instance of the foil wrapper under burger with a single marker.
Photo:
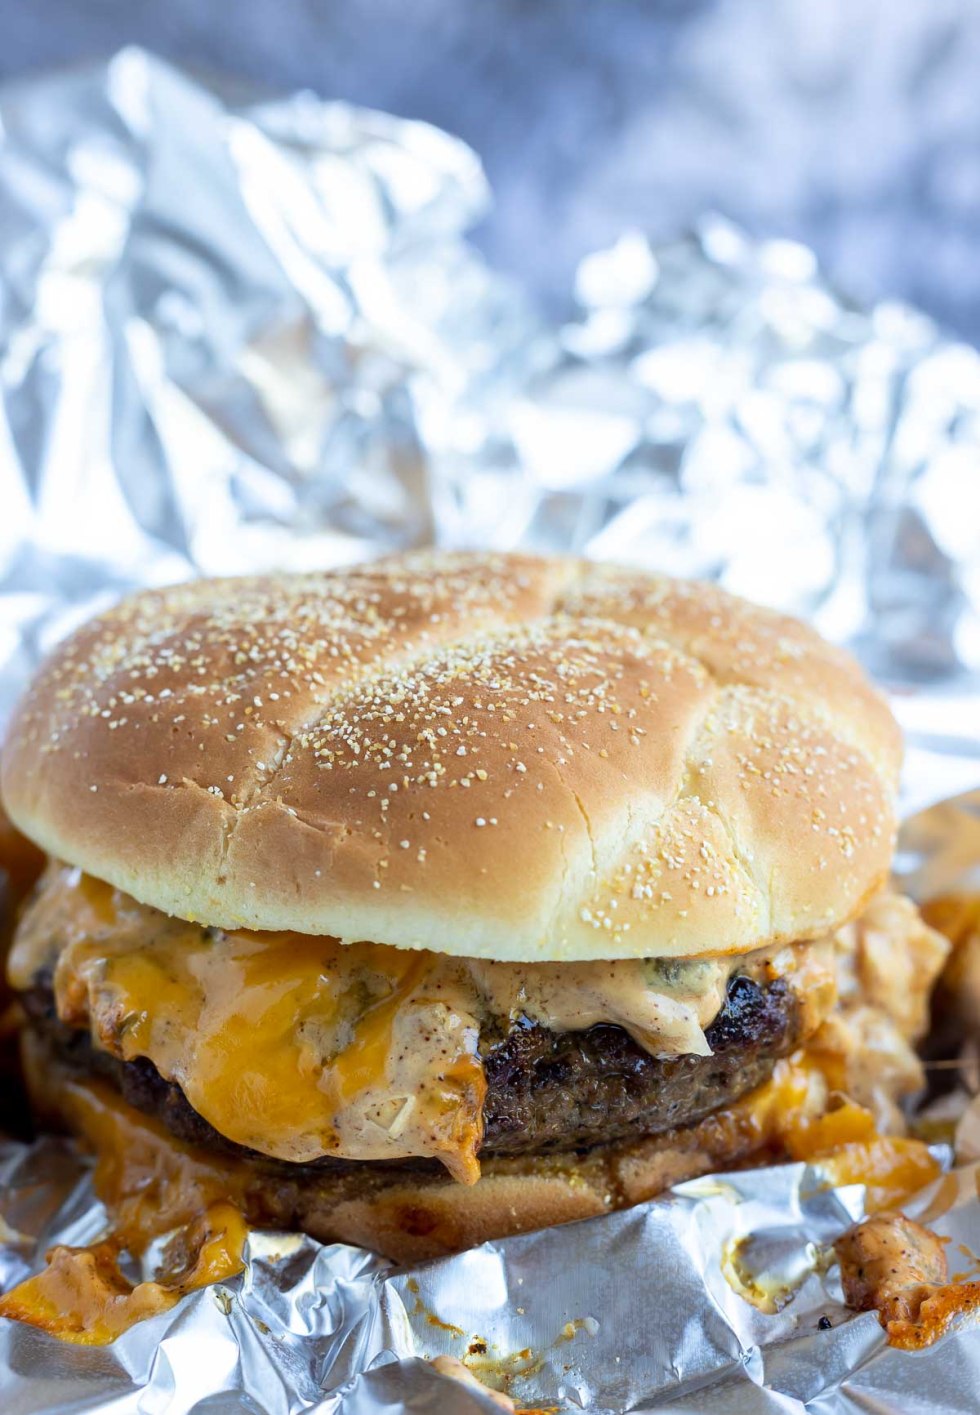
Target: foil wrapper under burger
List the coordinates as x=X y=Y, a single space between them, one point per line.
x=630 y=1312
x=240 y=334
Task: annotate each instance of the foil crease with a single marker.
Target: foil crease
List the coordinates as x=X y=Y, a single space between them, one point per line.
x=239 y=334
x=340 y=1332
x=211 y=314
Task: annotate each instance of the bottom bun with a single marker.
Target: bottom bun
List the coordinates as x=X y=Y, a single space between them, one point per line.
x=409 y=1213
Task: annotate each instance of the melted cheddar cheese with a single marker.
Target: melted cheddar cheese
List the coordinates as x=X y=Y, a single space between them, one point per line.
x=153 y=1184
x=844 y=1146
x=942 y=1310
x=298 y=1046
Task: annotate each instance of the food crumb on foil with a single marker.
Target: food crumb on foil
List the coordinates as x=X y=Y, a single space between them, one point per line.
x=898 y=1268
x=450 y=1366
x=211 y=312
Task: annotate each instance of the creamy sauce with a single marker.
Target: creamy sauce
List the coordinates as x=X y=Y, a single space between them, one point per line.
x=887 y=959
x=299 y=1046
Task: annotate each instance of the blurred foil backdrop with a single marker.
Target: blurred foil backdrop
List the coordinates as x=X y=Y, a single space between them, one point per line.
x=238 y=334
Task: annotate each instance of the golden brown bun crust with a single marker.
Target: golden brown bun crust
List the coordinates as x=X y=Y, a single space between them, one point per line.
x=500 y=756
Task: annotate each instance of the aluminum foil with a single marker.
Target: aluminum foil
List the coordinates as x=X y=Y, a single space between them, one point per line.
x=735 y=418
x=232 y=336
x=626 y=1313
x=237 y=333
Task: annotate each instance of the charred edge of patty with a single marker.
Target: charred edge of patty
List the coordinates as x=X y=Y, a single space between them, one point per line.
x=559 y=1090
x=547 y=1092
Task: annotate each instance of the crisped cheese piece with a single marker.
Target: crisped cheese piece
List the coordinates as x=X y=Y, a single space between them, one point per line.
x=81 y=1294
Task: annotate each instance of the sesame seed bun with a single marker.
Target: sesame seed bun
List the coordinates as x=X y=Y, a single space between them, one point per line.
x=496 y=756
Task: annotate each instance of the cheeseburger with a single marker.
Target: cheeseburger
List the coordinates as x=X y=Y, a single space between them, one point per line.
x=448 y=897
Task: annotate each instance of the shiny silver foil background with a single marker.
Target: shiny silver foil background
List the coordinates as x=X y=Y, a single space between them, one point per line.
x=241 y=334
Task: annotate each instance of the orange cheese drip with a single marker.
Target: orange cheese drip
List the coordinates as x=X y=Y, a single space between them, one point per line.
x=844 y=1146
x=787 y=1115
x=83 y=1296
x=945 y=1308
x=300 y=1046
x=151 y=1185
x=149 y=1181
x=293 y=1045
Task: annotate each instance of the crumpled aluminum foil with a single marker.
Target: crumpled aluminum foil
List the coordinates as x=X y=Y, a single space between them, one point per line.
x=237 y=334
x=245 y=334
x=231 y=337
x=719 y=410
x=639 y=1317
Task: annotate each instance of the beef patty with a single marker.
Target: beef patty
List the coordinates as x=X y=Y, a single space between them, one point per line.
x=546 y=1091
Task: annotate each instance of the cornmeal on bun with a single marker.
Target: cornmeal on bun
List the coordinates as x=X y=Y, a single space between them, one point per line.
x=454 y=895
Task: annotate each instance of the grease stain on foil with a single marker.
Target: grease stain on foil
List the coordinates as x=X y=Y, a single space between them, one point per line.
x=766 y=1279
